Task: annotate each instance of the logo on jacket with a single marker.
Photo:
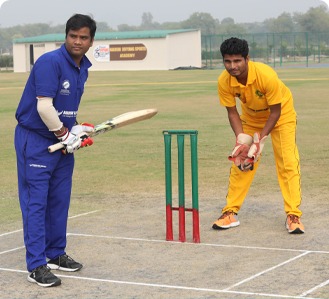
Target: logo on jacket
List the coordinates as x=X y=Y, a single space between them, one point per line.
x=65 y=88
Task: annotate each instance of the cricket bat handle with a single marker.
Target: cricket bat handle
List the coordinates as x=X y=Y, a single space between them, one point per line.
x=55 y=147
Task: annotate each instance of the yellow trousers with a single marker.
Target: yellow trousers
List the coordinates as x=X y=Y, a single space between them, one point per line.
x=287 y=166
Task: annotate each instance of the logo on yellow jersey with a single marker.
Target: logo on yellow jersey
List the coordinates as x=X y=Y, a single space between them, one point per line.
x=259 y=93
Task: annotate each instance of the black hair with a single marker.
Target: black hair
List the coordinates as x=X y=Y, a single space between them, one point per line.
x=234 y=46
x=79 y=21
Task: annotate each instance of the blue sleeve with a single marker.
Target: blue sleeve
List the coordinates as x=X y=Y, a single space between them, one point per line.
x=47 y=76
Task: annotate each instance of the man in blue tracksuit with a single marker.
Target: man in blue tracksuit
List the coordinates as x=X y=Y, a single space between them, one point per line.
x=46 y=114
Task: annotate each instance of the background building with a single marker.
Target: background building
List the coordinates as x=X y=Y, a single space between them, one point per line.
x=134 y=50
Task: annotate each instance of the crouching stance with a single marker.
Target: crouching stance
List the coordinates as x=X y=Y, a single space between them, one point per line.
x=266 y=109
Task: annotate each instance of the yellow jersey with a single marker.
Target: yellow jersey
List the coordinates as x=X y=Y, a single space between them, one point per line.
x=263 y=89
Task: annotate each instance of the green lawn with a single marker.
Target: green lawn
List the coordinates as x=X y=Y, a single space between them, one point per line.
x=130 y=161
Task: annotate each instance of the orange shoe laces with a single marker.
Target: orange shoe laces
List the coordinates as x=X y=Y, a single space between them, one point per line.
x=227 y=213
x=293 y=218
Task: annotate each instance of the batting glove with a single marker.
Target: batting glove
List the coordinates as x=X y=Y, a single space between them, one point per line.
x=70 y=141
x=257 y=147
x=85 y=139
x=240 y=151
x=84 y=127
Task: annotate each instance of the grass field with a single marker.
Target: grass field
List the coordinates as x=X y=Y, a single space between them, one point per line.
x=131 y=160
x=117 y=215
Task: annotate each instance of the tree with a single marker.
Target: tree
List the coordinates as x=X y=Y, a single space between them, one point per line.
x=314 y=20
x=283 y=23
x=171 y=25
x=147 y=22
x=147 y=19
x=227 y=21
x=103 y=27
x=203 y=21
x=228 y=26
x=6 y=61
x=126 y=27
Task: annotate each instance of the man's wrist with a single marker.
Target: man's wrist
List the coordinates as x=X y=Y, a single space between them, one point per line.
x=61 y=132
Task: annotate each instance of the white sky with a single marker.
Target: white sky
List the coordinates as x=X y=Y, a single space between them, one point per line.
x=114 y=12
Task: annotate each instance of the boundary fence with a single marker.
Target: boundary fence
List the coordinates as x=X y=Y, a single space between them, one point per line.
x=302 y=49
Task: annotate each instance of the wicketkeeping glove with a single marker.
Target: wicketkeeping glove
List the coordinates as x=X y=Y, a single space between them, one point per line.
x=240 y=151
x=257 y=147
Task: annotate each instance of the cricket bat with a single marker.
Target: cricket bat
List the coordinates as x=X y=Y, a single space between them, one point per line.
x=113 y=123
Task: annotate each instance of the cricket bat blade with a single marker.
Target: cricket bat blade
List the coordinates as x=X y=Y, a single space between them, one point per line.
x=113 y=123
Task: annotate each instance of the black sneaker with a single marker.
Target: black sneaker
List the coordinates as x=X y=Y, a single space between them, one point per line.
x=43 y=277
x=64 y=263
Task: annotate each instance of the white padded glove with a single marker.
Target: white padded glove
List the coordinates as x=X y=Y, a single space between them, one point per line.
x=84 y=127
x=71 y=142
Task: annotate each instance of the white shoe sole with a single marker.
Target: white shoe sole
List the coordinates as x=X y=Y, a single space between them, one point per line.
x=295 y=231
x=56 y=267
x=233 y=224
x=45 y=285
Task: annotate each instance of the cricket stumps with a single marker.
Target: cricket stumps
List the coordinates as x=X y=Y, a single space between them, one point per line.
x=181 y=184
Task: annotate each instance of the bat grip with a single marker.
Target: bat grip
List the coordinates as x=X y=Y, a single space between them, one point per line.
x=57 y=146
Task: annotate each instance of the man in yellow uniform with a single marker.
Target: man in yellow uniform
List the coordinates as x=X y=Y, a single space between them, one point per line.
x=267 y=108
